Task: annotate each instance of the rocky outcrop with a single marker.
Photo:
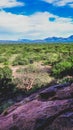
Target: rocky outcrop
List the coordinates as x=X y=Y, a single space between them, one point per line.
x=49 y=109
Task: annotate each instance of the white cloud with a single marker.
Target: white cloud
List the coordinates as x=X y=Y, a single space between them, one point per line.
x=71 y=5
x=60 y=2
x=36 y=26
x=10 y=3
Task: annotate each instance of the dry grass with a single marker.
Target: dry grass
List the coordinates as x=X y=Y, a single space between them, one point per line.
x=33 y=76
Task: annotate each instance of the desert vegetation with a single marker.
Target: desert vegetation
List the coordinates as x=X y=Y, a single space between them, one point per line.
x=25 y=68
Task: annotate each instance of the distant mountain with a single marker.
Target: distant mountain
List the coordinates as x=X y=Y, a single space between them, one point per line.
x=70 y=38
x=30 y=41
x=55 y=39
x=46 y=40
x=50 y=39
x=59 y=39
x=25 y=40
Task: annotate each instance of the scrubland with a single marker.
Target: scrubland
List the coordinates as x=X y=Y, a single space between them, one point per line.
x=25 y=68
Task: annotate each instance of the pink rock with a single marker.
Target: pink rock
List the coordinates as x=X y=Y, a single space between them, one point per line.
x=52 y=113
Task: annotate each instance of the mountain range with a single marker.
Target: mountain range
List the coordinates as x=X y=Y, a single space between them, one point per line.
x=49 y=39
x=46 y=40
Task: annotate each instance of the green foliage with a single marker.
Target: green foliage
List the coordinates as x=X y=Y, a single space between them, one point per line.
x=19 y=60
x=48 y=53
x=5 y=72
x=65 y=80
x=59 y=56
x=6 y=63
x=5 y=80
x=62 y=69
x=51 y=58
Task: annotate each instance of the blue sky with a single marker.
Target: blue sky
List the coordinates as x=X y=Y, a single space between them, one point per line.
x=35 y=19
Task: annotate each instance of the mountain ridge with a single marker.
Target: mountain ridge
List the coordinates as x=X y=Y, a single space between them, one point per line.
x=50 y=39
x=45 y=40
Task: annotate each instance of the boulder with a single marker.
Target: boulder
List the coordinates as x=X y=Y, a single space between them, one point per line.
x=49 y=109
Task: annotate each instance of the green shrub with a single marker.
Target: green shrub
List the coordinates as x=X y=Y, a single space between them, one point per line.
x=20 y=61
x=5 y=80
x=2 y=59
x=62 y=69
x=65 y=80
x=6 y=63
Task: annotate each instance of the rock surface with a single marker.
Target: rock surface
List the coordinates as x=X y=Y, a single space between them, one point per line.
x=49 y=109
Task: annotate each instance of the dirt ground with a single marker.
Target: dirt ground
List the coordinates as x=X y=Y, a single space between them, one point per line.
x=38 y=65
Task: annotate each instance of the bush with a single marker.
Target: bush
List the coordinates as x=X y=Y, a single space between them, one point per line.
x=5 y=80
x=65 y=80
x=3 y=59
x=20 y=61
x=62 y=69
